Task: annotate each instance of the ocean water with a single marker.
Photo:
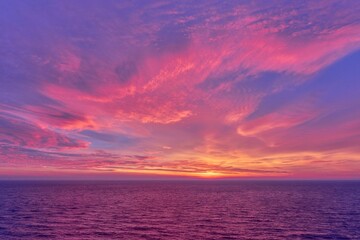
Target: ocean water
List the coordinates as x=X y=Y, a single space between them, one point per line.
x=180 y=210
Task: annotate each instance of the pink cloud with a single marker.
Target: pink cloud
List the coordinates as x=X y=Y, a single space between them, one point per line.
x=192 y=84
x=18 y=132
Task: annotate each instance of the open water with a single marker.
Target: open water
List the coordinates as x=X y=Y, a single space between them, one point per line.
x=180 y=210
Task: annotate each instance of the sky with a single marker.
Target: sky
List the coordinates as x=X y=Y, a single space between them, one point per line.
x=180 y=89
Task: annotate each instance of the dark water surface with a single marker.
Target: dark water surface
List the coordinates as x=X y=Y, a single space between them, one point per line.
x=180 y=210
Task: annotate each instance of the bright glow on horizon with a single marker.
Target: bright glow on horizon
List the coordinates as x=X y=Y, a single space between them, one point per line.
x=196 y=89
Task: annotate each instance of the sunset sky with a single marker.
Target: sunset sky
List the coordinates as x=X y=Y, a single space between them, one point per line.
x=171 y=89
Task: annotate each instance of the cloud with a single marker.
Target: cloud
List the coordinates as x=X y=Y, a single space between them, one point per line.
x=222 y=85
x=317 y=115
x=16 y=131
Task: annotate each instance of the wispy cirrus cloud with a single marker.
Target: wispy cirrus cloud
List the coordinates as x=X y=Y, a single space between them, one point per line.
x=18 y=132
x=223 y=85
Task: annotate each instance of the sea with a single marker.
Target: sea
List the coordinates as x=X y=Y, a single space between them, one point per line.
x=179 y=210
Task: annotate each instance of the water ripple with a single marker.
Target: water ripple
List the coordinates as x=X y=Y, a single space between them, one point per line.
x=179 y=210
